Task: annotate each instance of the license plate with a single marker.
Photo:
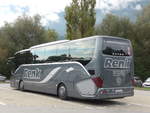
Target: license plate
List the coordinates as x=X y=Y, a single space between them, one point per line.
x=119 y=91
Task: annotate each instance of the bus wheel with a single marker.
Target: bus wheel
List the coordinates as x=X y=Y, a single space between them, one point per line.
x=21 y=86
x=62 y=92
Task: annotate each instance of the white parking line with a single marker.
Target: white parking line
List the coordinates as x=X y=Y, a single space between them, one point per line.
x=88 y=107
x=3 y=104
x=5 y=88
x=143 y=105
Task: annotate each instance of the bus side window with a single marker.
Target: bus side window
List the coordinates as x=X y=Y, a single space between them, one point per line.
x=39 y=55
x=82 y=51
x=62 y=52
x=29 y=57
x=20 y=58
x=50 y=54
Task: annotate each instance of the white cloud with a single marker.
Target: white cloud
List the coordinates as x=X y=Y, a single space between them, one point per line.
x=7 y=16
x=49 y=9
x=138 y=7
x=108 y=5
x=46 y=8
x=50 y=17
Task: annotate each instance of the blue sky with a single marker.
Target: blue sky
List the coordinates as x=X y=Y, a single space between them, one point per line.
x=50 y=10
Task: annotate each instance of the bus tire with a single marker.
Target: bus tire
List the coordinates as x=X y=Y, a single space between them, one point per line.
x=62 y=92
x=21 y=85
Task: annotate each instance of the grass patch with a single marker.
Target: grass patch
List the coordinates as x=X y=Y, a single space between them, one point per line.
x=143 y=88
x=1 y=82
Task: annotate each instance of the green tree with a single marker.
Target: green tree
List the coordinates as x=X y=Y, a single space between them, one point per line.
x=51 y=35
x=25 y=32
x=5 y=52
x=115 y=26
x=143 y=17
x=80 y=18
x=142 y=39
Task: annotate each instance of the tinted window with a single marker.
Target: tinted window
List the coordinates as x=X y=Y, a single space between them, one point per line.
x=116 y=48
x=25 y=57
x=39 y=55
x=20 y=59
x=82 y=51
x=62 y=52
x=29 y=57
x=50 y=53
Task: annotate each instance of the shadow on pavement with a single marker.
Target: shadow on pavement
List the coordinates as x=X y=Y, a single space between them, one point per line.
x=109 y=102
x=96 y=103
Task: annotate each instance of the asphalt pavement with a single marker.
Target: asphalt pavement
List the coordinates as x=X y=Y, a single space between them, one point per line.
x=15 y=101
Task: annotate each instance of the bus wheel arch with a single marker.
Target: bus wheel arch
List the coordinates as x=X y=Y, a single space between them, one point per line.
x=21 y=85
x=62 y=91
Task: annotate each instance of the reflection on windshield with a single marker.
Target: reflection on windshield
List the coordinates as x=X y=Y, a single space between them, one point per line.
x=116 y=49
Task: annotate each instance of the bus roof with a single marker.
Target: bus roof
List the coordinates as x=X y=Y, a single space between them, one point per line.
x=113 y=37
x=49 y=43
x=24 y=50
x=62 y=41
x=101 y=36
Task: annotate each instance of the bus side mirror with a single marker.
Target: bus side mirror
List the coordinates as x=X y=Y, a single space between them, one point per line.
x=12 y=73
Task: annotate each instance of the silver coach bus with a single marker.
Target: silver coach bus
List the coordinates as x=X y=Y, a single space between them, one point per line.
x=97 y=67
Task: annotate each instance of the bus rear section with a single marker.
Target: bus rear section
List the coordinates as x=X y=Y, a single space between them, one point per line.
x=116 y=68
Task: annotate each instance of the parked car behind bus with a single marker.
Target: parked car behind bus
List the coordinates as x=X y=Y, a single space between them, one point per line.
x=2 y=78
x=147 y=82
